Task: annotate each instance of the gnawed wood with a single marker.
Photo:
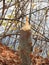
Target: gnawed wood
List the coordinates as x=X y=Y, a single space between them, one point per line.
x=27 y=26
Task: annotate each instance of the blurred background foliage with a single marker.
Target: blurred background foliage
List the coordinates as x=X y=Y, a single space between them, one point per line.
x=13 y=16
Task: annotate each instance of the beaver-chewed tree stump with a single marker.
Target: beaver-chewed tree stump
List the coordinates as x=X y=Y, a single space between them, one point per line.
x=25 y=43
x=8 y=56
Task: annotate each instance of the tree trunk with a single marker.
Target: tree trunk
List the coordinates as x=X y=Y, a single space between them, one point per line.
x=25 y=46
x=25 y=43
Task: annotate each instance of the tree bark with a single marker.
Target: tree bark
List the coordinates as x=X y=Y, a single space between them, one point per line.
x=25 y=45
